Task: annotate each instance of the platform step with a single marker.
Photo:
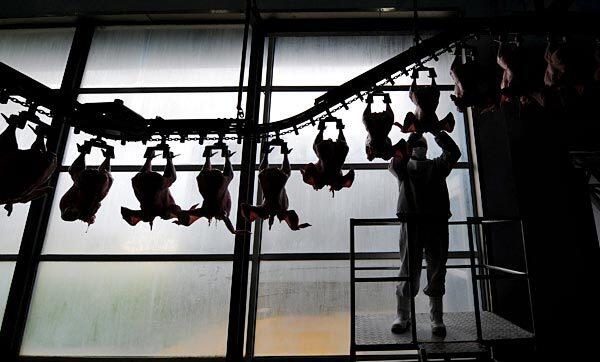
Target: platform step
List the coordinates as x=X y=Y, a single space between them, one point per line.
x=372 y=331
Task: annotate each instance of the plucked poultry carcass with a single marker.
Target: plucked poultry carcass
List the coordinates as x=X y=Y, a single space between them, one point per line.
x=426 y=99
x=90 y=187
x=275 y=202
x=511 y=59
x=328 y=169
x=566 y=66
x=466 y=88
x=23 y=173
x=212 y=184
x=379 y=125
x=152 y=191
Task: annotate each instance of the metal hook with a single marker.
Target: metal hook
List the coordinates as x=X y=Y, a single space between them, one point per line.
x=162 y=146
x=97 y=142
x=386 y=97
x=323 y=123
x=219 y=145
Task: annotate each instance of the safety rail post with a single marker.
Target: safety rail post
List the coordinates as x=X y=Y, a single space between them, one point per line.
x=470 y=223
x=482 y=259
x=352 y=295
x=413 y=316
x=528 y=278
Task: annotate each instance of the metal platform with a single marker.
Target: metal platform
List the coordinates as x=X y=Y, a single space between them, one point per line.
x=374 y=329
x=469 y=334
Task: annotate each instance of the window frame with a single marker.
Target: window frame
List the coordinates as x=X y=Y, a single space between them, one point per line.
x=30 y=254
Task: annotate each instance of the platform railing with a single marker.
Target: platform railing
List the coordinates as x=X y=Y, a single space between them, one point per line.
x=480 y=271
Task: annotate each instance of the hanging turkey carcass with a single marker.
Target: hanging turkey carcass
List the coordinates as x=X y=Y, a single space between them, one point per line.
x=378 y=126
x=275 y=202
x=23 y=173
x=90 y=186
x=213 y=186
x=152 y=191
x=426 y=98
x=331 y=157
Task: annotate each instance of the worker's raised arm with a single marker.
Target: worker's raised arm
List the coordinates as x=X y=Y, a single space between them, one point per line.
x=450 y=152
x=397 y=165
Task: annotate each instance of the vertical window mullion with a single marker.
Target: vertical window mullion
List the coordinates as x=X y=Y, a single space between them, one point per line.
x=21 y=290
x=255 y=274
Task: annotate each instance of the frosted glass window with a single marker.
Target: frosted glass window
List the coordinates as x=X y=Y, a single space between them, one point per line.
x=168 y=106
x=12 y=227
x=164 y=56
x=333 y=60
x=302 y=308
x=174 y=105
x=6 y=274
x=111 y=234
x=129 y=309
x=374 y=194
x=376 y=298
x=39 y=53
x=286 y=104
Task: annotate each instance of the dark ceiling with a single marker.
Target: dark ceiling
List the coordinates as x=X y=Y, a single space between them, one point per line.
x=33 y=11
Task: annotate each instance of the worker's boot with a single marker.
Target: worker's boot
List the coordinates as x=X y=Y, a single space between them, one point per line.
x=402 y=321
x=436 y=314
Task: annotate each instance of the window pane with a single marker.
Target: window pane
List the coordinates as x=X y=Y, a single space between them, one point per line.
x=6 y=274
x=164 y=56
x=129 y=309
x=333 y=60
x=168 y=106
x=174 y=105
x=286 y=104
x=375 y=298
x=111 y=234
x=303 y=308
x=374 y=194
x=12 y=227
x=39 y=53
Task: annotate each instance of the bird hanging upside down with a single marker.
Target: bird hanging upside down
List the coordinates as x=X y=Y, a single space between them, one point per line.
x=378 y=126
x=152 y=191
x=466 y=77
x=272 y=182
x=426 y=99
x=23 y=173
x=90 y=187
x=514 y=80
x=212 y=184
x=328 y=169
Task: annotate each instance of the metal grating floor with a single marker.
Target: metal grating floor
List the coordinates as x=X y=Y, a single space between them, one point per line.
x=374 y=329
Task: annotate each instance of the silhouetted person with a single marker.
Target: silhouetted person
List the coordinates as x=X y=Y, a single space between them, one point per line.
x=424 y=199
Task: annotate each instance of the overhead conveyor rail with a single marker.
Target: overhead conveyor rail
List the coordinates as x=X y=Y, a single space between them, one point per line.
x=85 y=116
x=470 y=334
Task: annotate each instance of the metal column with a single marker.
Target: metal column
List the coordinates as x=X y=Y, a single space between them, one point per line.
x=24 y=276
x=239 y=280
